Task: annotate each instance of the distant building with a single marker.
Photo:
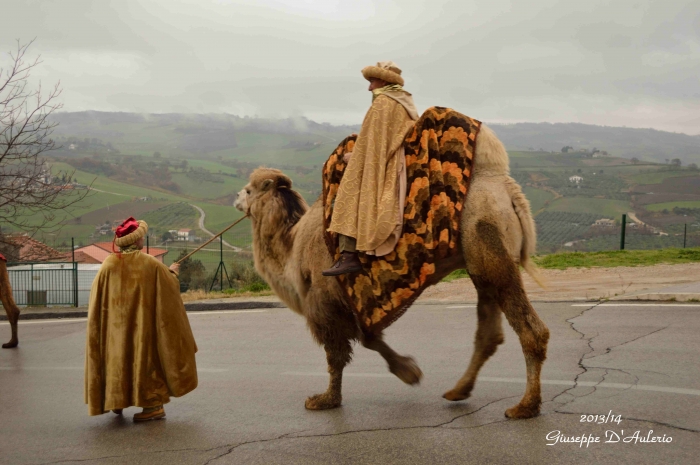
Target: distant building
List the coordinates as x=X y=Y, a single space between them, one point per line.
x=575 y=179
x=604 y=222
x=185 y=235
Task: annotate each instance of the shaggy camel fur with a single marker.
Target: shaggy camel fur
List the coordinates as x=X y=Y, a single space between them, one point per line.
x=498 y=234
x=9 y=303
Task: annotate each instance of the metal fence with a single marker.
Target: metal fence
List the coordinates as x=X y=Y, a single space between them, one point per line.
x=45 y=284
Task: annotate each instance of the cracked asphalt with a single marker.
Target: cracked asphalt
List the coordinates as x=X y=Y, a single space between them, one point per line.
x=256 y=367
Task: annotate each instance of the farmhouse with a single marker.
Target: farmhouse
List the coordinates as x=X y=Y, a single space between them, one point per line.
x=604 y=222
x=575 y=179
x=185 y=235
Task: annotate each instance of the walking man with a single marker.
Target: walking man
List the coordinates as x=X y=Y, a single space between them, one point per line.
x=140 y=348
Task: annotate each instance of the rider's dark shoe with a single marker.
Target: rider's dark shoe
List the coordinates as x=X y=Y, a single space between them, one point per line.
x=347 y=263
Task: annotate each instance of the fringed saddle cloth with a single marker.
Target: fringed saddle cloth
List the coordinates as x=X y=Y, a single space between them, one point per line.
x=439 y=158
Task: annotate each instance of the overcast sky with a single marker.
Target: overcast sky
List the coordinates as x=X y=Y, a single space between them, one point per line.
x=614 y=62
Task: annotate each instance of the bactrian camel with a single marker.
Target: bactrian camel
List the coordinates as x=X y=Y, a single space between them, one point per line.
x=9 y=303
x=497 y=234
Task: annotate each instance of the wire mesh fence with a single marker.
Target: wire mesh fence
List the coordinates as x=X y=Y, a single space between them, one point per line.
x=226 y=264
x=51 y=284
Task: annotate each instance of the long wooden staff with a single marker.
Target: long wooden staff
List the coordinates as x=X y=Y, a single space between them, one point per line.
x=207 y=242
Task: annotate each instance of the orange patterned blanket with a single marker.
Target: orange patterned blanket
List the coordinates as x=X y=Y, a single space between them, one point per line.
x=439 y=158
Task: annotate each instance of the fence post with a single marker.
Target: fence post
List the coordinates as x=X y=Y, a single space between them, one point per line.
x=685 y=233
x=221 y=260
x=75 y=272
x=622 y=236
x=148 y=250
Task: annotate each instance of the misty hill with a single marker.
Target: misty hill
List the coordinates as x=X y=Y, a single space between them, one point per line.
x=308 y=142
x=645 y=144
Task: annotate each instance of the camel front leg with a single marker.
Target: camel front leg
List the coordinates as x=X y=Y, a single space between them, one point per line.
x=338 y=355
x=405 y=368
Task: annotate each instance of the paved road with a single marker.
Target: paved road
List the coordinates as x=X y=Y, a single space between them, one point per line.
x=202 y=216
x=256 y=368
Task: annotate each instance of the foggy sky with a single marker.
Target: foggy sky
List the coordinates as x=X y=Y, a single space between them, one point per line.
x=616 y=63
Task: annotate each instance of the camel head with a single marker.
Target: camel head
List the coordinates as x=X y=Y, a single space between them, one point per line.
x=270 y=192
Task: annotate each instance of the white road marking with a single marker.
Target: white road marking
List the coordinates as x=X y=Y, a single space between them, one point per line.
x=76 y=320
x=592 y=304
x=345 y=374
x=224 y=312
x=199 y=370
x=637 y=387
x=36 y=322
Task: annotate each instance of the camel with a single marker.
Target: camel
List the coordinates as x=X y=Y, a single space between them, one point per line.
x=497 y=234
x=9 y=303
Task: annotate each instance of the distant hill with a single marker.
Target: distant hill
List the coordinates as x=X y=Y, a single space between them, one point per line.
x=192 y=135
x=645 y=144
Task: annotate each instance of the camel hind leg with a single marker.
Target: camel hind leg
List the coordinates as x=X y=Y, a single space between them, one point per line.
x=9 y=303
x=494 y=271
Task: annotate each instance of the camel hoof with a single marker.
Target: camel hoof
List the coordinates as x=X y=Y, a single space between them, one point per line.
x=323 y=402
x=10 y=345
x=407 y=370
x=455 y=395
x=523 y=411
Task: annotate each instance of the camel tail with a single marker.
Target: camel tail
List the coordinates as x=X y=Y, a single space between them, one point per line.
x=527 y=224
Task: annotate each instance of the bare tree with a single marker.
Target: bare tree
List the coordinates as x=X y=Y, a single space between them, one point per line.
x=29 y=198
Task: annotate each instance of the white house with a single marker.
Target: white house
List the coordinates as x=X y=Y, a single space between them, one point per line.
x=185 y=235
x=575 y=179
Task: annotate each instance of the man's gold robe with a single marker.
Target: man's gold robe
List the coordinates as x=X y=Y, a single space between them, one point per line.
x=140 y=348
x=367 y=205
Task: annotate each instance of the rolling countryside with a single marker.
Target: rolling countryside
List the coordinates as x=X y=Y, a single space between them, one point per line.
x=164 y=167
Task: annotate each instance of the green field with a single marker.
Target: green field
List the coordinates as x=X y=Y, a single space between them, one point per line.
x=603 y=207
x=657 y=207
x=203 y=189
x=537 y=197
x=657 y=177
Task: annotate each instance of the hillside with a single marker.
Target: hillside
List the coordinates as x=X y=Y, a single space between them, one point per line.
x=645 y=144
x=157 y=165
x=306 y=142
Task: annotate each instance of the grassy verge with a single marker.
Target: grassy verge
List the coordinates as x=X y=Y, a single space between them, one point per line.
x=191 y=296
x=615 y=258
x=562 y=261
x=559 y=261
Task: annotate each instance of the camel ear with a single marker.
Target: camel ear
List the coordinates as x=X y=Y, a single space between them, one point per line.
x=266 y=184
x=284 y=183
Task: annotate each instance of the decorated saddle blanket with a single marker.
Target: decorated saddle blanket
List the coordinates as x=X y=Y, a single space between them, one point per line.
x=439 y=158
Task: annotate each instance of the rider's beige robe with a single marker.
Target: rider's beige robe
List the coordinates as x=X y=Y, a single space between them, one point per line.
x=368 y=206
